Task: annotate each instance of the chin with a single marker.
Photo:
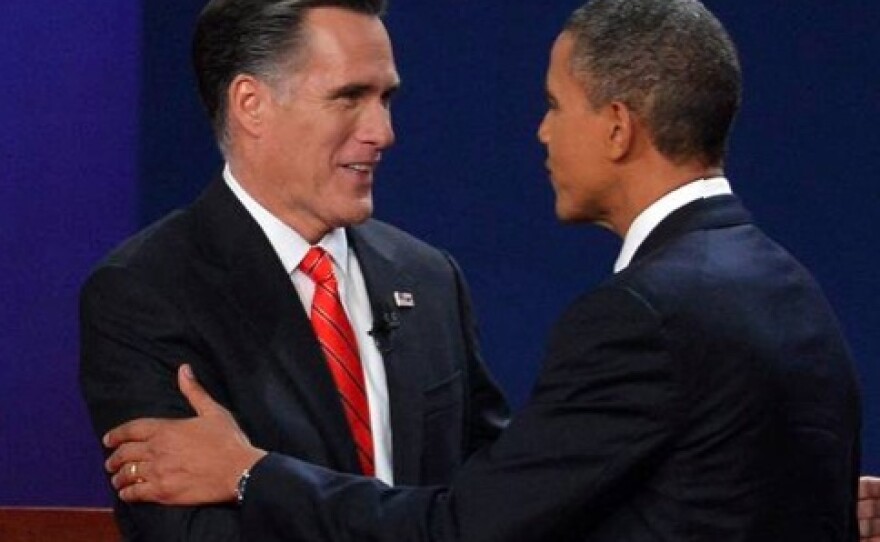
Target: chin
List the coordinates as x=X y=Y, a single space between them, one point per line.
x=564 y=214
x=567 y=215
x=361 y=214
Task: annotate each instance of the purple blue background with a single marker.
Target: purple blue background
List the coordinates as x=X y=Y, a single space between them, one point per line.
x=101 y=132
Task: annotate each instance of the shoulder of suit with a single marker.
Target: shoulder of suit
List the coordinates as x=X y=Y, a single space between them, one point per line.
x=159 y=243
x=382 y=234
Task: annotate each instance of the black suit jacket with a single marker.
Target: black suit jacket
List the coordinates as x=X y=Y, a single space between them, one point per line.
x=205 y=286
x=705 y=393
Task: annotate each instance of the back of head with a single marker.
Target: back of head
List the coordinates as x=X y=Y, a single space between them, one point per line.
x=671 y=62
x=255 y=37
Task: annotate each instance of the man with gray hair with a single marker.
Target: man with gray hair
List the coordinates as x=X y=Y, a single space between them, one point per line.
x=329 y=336
x=704 y=392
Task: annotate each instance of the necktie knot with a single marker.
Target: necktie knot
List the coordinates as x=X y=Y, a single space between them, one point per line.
x=317 y=265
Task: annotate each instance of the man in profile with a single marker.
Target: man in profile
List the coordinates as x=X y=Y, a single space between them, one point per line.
x=329 y=336
x=704 y=392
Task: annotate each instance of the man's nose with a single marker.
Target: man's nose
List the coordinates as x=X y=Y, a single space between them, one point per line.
x=542 y=131
x=376 y=128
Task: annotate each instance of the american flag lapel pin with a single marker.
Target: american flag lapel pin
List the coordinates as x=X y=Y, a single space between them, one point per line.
x=404 y=300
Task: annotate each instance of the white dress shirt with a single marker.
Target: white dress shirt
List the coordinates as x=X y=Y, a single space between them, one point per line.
x=291 y=249
x=648 y=219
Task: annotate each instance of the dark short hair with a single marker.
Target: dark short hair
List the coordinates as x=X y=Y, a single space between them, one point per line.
x=253 y=37
x=670 y=61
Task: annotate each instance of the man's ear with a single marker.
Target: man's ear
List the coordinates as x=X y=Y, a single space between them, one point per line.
x=248 y=100
x=621 y=122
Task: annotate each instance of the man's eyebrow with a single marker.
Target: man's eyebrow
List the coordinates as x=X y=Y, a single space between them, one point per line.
x=393 y=89
x=353 y=90
x=350 y=90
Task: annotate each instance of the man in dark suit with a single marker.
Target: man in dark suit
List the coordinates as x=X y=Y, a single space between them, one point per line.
x=299 y=95
x=704 y=392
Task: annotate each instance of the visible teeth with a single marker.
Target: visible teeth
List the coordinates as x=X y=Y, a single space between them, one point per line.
x=363 y=168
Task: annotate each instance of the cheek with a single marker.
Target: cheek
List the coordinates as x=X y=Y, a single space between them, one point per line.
x=565 y=152
x=339 y=132
x=319 y=140
x=577 y=150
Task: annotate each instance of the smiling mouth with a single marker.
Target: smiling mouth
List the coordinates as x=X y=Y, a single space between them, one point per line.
x=361 y=167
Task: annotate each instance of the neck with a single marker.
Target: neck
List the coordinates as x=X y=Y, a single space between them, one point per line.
x=645 y=185
x=258 y=186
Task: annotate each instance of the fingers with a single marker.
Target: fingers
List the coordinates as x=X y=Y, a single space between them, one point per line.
x=133 y=431
x=869 y=529
x=136 y=472
x=137 y=481
x=139 y=492
x=869 y=487
x=127 y=453
x=869 y=508
x=198 y=398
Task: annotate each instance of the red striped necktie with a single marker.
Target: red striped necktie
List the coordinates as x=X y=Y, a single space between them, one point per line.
x=337 y=340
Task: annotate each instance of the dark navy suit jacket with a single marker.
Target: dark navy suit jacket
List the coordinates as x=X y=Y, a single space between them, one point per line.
x=705 y=393
x=204 y=286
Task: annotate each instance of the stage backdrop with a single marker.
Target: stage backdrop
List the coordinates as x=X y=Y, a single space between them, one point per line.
x=102 y=133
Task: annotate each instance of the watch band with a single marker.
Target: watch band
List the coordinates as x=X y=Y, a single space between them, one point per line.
x=241 y=487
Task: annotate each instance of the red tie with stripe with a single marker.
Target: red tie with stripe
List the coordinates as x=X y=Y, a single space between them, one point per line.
x=337 y=340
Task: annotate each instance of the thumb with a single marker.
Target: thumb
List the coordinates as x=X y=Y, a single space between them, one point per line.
x=198 y=398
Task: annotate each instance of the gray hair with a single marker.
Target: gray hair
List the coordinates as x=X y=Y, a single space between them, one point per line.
x=670 y=61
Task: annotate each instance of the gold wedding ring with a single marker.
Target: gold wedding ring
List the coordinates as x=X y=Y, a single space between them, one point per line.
x=133 y=471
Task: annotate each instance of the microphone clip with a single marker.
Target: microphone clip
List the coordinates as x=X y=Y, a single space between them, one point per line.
x=386 y=322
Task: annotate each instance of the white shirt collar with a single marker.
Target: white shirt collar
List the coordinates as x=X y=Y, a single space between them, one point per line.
x=288 y=244
x=648 y=219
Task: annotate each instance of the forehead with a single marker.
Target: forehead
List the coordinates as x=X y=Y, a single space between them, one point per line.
x=339 y=40
x=560 y=58
x=561 y=80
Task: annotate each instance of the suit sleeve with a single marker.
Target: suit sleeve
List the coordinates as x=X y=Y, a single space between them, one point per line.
x=486 y=410
x=132 y=341
x=602 y=415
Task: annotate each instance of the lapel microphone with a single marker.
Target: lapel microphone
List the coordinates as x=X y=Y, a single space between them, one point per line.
x=385 y=320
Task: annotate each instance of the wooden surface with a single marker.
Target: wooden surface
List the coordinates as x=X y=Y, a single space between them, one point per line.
x=23 y=524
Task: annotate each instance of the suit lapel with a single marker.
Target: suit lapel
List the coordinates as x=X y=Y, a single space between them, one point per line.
x=395 y=338
x=261 y=290
x=709 y=213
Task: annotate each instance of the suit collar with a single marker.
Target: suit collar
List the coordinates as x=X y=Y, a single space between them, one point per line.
x=704 y=214
x=260 y=290
x=648 y=219
x=395 y=336
x=290 y=246
x=382 y=274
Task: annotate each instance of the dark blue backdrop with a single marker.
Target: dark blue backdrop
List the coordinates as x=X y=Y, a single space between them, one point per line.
x=68 y=139
x=102 y=133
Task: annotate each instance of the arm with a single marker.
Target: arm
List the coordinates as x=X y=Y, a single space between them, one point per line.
x=602 y=414
x=600 y=417
x=196 y=462
x=132 y=340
